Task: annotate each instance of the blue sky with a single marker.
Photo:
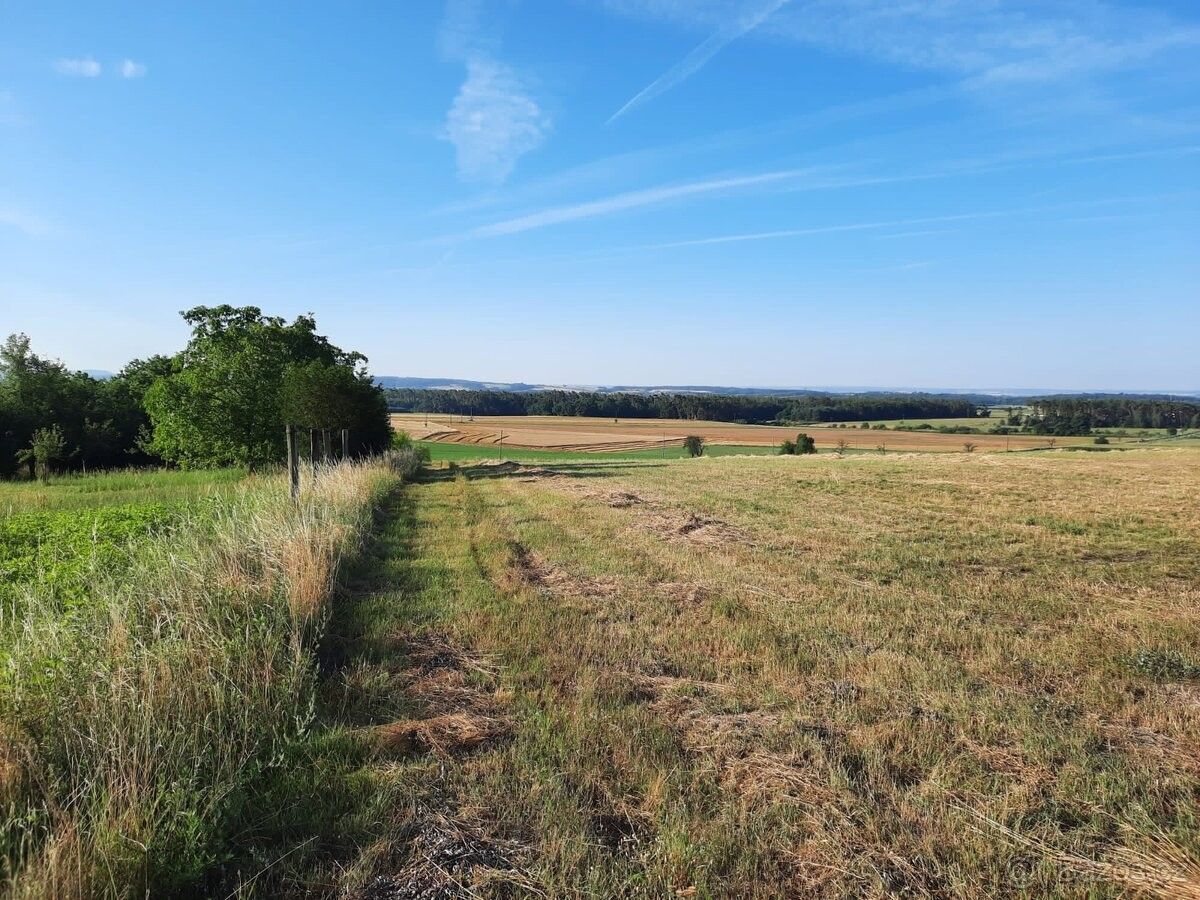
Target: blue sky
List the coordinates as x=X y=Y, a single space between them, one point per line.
x=967 y=193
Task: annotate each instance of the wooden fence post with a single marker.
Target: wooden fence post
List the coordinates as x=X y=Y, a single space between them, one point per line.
x=293 y=457
x=312 y=449
x=345 y=443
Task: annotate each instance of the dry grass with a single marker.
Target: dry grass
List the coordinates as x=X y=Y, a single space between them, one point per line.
x=960 y=675
x=146 y=716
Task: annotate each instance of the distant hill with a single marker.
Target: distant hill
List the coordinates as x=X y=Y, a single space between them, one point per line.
x=975 y=395
x=458 y=384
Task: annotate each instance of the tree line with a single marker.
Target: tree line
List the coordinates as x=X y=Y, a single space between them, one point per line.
x=710 y=407
x=223 y=400
x=1123 y=412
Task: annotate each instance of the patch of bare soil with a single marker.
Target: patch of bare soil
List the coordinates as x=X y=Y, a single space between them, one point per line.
x=456 y=692
x=451 y=858
x=533 y=569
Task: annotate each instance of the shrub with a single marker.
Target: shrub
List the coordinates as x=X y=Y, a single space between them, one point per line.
x=805 y=444
x=693 y=445
x=787 y=448
x=407 y=461
x=47 y=449
x=1101 y=439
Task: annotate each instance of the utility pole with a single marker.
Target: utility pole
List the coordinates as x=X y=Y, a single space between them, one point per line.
x=501 y=445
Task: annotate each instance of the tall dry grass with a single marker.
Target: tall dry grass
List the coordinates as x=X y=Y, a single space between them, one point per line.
x=135 y=728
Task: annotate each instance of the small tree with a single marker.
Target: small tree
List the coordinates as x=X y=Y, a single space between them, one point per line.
x=1101 y=440
x=47 y=448
x=693 y=445
x=840 y=448
x=882 y=448
x=969 y=447
x=805 y=444
x=787 y=448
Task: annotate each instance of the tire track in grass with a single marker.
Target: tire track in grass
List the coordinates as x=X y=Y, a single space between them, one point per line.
x=407 y=710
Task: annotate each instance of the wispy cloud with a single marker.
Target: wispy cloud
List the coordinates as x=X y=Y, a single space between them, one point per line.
x=884 y=224
x=83 y=67
x=631 y=200
x=131 y=69
x=23 y=221
x=494 y=119
x=666 y=157
x=493 y=122
x=729 y=32
x=995 y=42
x=813 y=178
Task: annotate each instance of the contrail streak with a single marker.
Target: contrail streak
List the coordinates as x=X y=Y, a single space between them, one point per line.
x=696 y=60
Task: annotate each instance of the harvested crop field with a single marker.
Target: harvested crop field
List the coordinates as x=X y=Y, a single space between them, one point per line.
x=576 y=433
x=940 y=675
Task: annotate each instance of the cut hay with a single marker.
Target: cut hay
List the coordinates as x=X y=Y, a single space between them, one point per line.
x=451 y=858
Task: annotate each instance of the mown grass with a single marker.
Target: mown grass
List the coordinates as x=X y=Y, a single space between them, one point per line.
x=911 y=675
x=921 y=675
x=146 y=711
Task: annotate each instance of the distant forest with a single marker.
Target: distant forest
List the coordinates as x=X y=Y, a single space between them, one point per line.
x=712 y=407
x=1047 y=415
x=1075 y=415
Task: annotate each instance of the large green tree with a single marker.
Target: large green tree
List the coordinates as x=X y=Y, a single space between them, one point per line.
x=223 y=402
x=38 y=393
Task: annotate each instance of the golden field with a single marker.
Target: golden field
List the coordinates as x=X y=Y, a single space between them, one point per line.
x=924 y=675
x=573 y=433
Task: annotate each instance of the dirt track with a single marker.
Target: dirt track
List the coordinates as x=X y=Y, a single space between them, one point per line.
x=607 y=435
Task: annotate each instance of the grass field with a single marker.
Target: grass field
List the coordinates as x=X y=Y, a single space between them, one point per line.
x=157 y=633
x=110 y=488
x=967 y=675
x=582 y=675
x=440 y=451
